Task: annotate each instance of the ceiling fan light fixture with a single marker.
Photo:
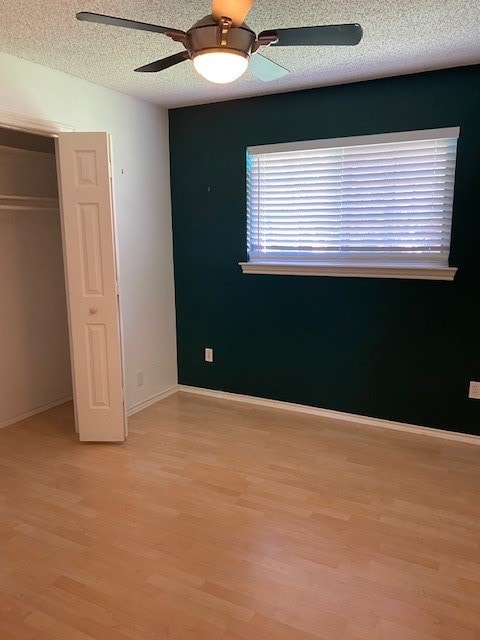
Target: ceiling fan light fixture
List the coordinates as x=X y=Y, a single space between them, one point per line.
x=221 y=67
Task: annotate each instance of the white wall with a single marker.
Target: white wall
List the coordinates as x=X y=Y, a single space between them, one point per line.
x=34 y=349
x=142 y=194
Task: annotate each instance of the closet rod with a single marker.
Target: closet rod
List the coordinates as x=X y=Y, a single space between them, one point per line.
x=28 y=203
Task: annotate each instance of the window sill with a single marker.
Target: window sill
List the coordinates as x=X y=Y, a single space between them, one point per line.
x=402 y=272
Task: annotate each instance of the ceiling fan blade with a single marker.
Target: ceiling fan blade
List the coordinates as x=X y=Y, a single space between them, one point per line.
x=236 y=10
x=265 y=69
x=333 y=34
x=164 y=63
x=122 y=22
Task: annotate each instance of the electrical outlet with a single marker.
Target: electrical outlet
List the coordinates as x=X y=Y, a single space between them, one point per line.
x=474 y=391
x=208 y=354
x=139 y=378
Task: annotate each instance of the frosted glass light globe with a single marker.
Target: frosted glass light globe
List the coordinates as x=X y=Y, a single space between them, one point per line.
x=220 y=66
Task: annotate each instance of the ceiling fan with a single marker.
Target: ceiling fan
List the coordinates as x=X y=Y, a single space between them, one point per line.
x=222 y=46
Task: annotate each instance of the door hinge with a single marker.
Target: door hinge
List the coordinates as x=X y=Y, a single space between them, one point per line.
x=117 y=288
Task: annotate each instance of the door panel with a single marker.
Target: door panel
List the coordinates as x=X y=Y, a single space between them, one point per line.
x=90 y=265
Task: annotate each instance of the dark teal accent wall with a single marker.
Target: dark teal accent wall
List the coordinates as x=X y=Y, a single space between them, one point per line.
x=397 y=349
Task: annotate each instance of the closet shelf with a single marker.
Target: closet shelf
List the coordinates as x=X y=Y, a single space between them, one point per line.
x=28 y=203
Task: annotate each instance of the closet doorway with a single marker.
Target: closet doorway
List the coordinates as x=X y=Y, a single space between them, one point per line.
x=59 y=318
x=35 y=354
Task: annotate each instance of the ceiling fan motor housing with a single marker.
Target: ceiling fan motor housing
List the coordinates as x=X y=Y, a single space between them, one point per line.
x=207 y=35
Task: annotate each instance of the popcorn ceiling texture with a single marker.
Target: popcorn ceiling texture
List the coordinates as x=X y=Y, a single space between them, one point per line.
x=400 y=36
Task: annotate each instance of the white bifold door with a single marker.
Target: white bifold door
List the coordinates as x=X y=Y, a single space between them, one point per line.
x=88 y=230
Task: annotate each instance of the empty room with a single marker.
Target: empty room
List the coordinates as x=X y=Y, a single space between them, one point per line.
x=239 y=348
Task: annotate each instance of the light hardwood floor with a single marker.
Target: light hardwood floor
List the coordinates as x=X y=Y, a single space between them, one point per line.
x=224 y=521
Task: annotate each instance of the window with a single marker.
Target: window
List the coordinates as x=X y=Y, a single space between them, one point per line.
x=377 y=205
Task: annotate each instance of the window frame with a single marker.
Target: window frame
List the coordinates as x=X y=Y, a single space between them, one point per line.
x=338 y=268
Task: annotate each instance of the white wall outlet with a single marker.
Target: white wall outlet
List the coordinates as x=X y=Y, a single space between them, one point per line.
x=208 y=354
x=139 y=378
x=474 y=391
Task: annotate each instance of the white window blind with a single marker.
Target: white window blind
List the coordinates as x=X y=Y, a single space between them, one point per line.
x=366 y=200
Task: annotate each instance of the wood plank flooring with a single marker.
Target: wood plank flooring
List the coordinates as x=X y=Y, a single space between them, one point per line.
x=225 y=521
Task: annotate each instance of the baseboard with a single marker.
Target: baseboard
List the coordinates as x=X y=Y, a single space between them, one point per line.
x=34 y=411
x=335 y=415
x=274 y=404
x=135 y=408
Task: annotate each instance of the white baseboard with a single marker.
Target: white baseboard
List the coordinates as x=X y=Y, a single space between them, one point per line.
x=34 y=411
x=274 y=404
x=335 y=415
x=135 y=408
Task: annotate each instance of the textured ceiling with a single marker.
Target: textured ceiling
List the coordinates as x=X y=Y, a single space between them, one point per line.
x=400 y=36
